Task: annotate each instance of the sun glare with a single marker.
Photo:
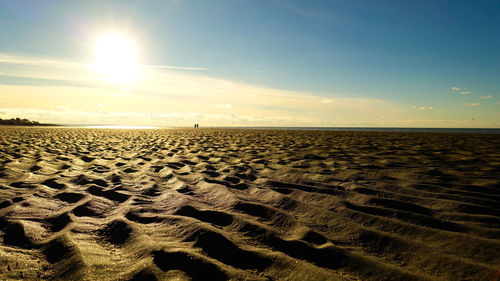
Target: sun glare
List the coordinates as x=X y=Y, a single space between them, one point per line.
x=116 y=59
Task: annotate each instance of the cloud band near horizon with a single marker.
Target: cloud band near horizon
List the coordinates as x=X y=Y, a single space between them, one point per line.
x=59 y=91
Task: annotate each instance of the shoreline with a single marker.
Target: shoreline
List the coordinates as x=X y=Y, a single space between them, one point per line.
x=337 y=129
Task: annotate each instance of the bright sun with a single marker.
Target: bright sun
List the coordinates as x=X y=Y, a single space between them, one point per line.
x=116 y=59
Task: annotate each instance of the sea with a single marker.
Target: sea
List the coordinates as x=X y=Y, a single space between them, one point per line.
x=348 y=129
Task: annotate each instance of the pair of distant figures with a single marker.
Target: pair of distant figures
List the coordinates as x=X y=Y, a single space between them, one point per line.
x=196 y=125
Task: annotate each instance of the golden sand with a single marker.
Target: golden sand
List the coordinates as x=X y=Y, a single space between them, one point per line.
x=186 y=204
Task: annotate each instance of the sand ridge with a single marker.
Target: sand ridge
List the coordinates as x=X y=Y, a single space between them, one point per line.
x=215 y=204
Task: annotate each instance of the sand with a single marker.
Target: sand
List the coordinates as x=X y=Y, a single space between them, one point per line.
x=213 y=204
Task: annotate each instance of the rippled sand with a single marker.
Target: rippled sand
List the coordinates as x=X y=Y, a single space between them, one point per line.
x=95 y=204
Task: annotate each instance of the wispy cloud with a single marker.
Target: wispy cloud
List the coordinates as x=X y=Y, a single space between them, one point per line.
x=471 y=103
x=59 y=91
x=177 y=67
x=465 y=92
x=47 y=69
x=486 y=97
x=163 y=90
x=456 y=88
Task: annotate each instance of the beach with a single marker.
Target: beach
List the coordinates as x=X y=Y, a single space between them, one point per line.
x=237 y=204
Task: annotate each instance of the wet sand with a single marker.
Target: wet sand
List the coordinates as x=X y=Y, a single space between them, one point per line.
x=210 y=204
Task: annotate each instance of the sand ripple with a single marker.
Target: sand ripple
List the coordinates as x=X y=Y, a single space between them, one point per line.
x=209 y=204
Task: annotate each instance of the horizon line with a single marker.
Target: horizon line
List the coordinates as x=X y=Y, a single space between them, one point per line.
x=118 y=126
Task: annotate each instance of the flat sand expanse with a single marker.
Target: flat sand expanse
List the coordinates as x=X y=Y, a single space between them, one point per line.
x=207 y=204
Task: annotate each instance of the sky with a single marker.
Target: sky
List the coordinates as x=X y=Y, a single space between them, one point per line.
x=315 y=63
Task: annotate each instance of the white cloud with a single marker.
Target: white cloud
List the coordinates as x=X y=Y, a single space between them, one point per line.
x=471 y=103
x=327 y=101
x=486 y=97
x=426 y=108
x=465 y=93
x=171 y=118
x=456 y=88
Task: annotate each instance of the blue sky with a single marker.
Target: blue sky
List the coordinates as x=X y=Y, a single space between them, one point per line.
x=365 y=63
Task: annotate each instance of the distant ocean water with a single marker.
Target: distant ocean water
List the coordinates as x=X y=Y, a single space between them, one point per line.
x=351 y=129
x=382 y=129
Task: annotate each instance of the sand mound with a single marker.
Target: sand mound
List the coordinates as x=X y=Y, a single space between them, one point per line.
x=208 y=204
